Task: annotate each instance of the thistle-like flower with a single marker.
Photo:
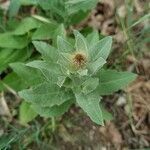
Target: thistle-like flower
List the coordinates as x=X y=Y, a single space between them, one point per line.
x=84 y=55
x=79 y=60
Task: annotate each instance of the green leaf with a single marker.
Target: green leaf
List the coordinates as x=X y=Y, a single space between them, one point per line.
x=46 y=95
x=14 y=7
x=54 y=111
x=26 y=25
x=28 y=2
x=63 y=45
x=44 y=32
x=26 y=113
x=106 y=115
x=73 y=6
x=10 y=55
x=48 y=52
x=92 y=38
x=61 y=81
x=7 y=40
x=77 y=17
x=42 y=19
x=65 y=63
x=101 y=49
x=29 y=75
x=56 y=7
x=90 y=85
x=12 y=81
x=80 y=43
x=93 y=67
x=90 y=104
x=111 y=81
x=83 y=72
x=59 y=31
x=51 y=71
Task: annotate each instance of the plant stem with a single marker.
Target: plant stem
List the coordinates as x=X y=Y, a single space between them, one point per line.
x=53 y=124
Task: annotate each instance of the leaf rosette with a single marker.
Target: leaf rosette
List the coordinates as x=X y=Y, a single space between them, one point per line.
x=72 y=73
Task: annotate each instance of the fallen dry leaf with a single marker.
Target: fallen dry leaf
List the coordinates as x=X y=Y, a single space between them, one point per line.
x=4 y=110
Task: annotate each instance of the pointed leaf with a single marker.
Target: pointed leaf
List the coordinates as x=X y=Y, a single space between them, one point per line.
x=51 y=71
x=26 y=113
x=94 y=66
x=46 y=95
x=12 y=81
x=63 y=45
x=101 y=49
x=61 y=81
x=26 y=25
x=92 y=39
x=90 y=104
x=59 y=31
x=111 y=81
x=90 y=85
x=73 y=6
x=10 y=55
x=48 y=52
x=29 y=75
x=44 y=32
x=106 y=115
x=54 y=111
x=65 y=62
x=80 y=43
x=7 y=40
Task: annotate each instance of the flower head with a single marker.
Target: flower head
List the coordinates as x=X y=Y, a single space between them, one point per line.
x=87 y=53
x=79 y=60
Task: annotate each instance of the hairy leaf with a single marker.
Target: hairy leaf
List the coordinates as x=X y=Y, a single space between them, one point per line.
x=53 y=111
x=101 y=49
x=90 y=85
x=30 y=75
x=111 y=81
x=48 y=52
x=96 y=65
x=80 y=44
x=92 y=39
x=63 y=45
x=46 y=95
x=51 y=71
x=90 y=104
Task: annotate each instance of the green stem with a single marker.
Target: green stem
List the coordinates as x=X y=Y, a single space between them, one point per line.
x=53 y=124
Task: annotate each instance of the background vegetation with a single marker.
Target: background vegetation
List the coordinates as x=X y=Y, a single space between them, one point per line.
x=127 y=21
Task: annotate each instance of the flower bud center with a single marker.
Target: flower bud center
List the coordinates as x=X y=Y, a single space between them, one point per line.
x=79 y=60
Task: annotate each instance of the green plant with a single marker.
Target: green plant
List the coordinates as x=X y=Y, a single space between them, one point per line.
x=62 y=11
x=16 y=35
x=71 y=73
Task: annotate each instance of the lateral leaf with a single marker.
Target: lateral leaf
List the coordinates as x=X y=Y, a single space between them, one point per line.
x=29 y=75
x=26 y=25
x=48 y=52
x=101 y=49
x=53 y=111
x=46 y=95
x=90 y=104
x=26 y=113
x=111 y=81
